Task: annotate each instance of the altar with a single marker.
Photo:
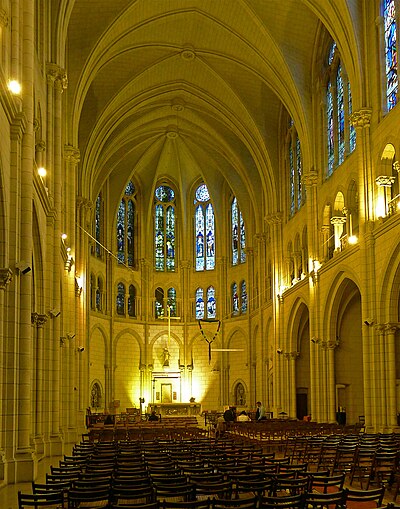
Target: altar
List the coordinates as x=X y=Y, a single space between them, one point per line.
x=176 y=409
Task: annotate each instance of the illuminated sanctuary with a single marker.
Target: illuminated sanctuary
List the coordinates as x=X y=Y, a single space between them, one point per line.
x=199 y=207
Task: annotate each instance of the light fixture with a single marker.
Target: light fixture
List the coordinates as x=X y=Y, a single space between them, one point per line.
x=64 y=236
x=352 y=239
x=68 y=263
x=14 y=87
x=70 y=335
x=81 y=349
x=42 y=172
x=23 y=267
x=54 y=312
x=279 y=351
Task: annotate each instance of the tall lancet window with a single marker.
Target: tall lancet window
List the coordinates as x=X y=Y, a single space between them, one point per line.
x=243 y=297
x=199 y=304
x=295 y=169
x=235 y=299
x=98 y=225
x=204 y=230
x=391 y=70
x=238 y=234
x=165 y=229
x=211 y=303
x=341 y=136
x=125 y=226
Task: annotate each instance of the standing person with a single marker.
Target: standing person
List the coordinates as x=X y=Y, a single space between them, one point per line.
x=260 y=412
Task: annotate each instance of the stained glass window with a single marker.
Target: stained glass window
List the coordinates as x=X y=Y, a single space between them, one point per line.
x=164 y=229
x=125 y=226
x=204 y=230
x=351 y=127
x=243 y=297
x=299 y=174
x=211 y=303
x=235 y=299
x=242 y=238
x=121 y=299
x=98 y=221
x=330 y=128
x=132 y=301
x=389 y=16
x=99 y=291
x=340 y=114
x=292 y=178
x=199 y=304
x=159 y=302
x=171 y=301
x=238 y=233
x=341 y=135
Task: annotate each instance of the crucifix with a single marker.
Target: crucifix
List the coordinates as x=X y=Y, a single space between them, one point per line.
x=169 y=318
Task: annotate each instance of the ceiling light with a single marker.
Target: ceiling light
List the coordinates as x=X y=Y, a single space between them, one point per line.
x=42 y=172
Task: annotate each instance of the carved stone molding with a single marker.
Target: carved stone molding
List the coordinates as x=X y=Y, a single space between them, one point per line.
x=6 y=276
x=3 y=18
x=361 y=118
x=274 y=219
x=56 y=76
x=310 y=179
x=72 y=154
x=291 y=356
x=38 y=319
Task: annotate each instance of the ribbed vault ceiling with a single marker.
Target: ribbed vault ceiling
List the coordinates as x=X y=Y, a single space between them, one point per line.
x=188 y=89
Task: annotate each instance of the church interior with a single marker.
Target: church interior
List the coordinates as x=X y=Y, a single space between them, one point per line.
x=199 y=207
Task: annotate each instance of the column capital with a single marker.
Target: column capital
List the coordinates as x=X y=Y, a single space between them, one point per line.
x=311 y=178
x=396 y=166
x=385 y=180
x=40 y=146
x=291 y=356
x=260 y=237
x=72 y=154
x=274 y=219
x=391 y=327
x=361 y=118
x=185 y=264
x=6 y=276
x=38 y=319
x=329 y=344
x=338 y=219
x=84 y=203
x=56 y=76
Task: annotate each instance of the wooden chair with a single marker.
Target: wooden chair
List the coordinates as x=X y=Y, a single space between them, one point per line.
x=364 y=499
x=88 y=498
x=212 y=490
x=335 y=500
x=288 y=502
x=51 y=500
x=188 y=504
x=328 y=484
x=238 y=503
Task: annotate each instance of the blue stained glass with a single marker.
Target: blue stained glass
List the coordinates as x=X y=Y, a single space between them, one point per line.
x=340 y=114
x=98 y=225
x=211 y=303
x=130 y=189
x=98 y=300
x=292 y=179
x=159 y=237
x=330 y=129
x=132 y=301
x=159 y=302
x=235 y=232
x=129 y=231
x=210 y=239
x=170 y=238
x=121 y=232
x=389 y=15
x=243 y=294
x=200 y=255
x=171 y=301
x=199 y=303
x=202 y=193
x=242 y=239
x=164 y=194
x=331 y=53
x=235 y=299
x=121 y=299
x=352 y=129
x=299 y=174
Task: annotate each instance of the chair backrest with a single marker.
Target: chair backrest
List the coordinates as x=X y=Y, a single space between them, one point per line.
x=364 y=499
x=333 y=500
x=39 y=500
x=287 y=502
x=239 y=503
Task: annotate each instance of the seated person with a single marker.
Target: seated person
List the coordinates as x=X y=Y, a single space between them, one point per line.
x=243 y=417
x=109 y=419
x=153 y=416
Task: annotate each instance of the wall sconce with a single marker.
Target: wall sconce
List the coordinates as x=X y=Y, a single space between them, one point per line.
x=62 y=340
x=42 y=172
x=23 y=267
x=14 y=87
x=54 y=312
x=70 y=335
x=78 y=286
x=353 y=239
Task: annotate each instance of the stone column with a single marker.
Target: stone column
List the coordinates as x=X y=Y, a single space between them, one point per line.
x=338 y=222
x=260 y=391
x=6 y=276
x=290 y=408
x=39 y=321
x=390 y=374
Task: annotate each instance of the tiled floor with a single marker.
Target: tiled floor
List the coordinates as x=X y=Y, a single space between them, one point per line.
x=9 y=494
